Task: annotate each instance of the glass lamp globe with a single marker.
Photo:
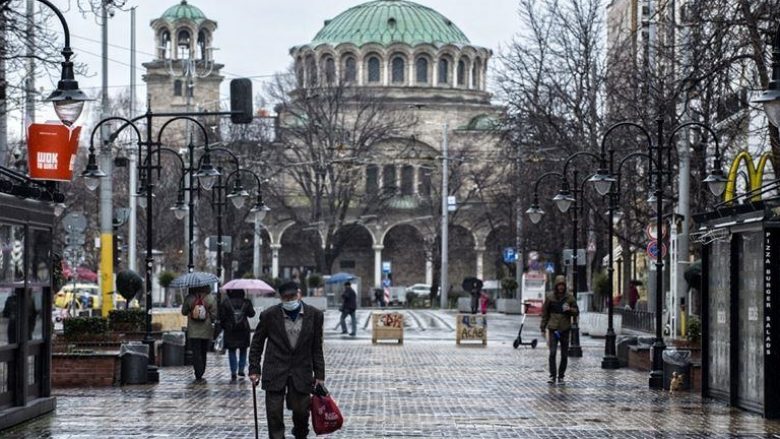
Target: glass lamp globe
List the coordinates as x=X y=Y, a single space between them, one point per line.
x=535 y=214
x=716 y=182
x=563 y=201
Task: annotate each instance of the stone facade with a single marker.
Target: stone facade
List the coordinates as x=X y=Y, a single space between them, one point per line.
x=442 y=83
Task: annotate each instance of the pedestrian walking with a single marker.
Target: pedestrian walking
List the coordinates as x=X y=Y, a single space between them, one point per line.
x=379 y=297
x=200 y=307
x=483 y=302
x=291 y=336
x=475 y=294
x=234 y=314
x=557 y=312
x=348 y=307
x=633 y=294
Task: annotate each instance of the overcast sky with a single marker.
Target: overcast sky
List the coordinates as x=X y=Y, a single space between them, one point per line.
x=253 y=36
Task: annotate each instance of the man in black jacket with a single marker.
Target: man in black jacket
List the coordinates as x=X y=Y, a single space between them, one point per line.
x=348 y=307
x=291 y=334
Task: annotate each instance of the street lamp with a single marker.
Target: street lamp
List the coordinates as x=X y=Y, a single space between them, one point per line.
x=535 y=213
x=564 y=198
x=68 y=99
x=260 y=209
x=239 y=195
x=603 y=181
x=207 y=174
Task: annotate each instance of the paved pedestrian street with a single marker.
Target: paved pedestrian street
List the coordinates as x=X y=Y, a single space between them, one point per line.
x=425 y=388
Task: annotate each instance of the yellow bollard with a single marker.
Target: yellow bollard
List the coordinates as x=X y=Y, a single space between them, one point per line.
x=106 y=273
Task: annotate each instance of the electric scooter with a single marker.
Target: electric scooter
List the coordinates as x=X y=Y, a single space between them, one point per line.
x=519 y=340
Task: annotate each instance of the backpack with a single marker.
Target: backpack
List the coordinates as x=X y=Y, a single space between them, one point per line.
x=198 y=309
x=239 y=316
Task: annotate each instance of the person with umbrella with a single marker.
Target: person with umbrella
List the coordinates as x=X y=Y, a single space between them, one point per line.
x=348 y=308
x=234 y=313
x=200 y=307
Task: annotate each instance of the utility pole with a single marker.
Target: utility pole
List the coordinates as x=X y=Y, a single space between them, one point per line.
x=106 y=186
x=257 y=249
x=445 y=191
x=29 y=81
x=520 y=263
x=3 y=90
x=132 y=245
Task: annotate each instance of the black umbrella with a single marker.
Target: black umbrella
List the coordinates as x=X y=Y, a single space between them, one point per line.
x=471 y=283
x=194 y=280
x=692 y=275
x=129 y=284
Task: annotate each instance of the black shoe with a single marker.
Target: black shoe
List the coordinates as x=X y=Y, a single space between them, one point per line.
x=551 y=380
x=242 y=374
x=343 y=332
x=233 y=378
x=561 y=381
x=352 y=334
x=200 y=380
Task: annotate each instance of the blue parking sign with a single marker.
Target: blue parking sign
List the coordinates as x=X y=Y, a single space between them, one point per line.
x=510 y=255
x=549 y=267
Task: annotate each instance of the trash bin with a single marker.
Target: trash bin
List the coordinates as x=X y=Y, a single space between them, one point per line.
x=135 y=361
x=173 y=348
x=677 y=361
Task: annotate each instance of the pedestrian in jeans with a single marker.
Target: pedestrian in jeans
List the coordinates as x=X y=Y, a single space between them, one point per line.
x=348 y=307
x=200 y=307
x=234 y=313
x=557 y=312
x=290 y=334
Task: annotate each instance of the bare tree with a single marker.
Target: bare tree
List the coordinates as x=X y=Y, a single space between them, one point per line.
x=327 y=133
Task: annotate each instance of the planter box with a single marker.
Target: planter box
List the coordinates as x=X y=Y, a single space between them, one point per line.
x=387 y=326
x=639 y=358
x=321 y=303
x=595 y=324
x=96 y=369
x=509 y=306
x=470 y=327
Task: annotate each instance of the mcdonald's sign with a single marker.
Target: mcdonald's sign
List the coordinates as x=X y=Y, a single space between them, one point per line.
x=755 y=174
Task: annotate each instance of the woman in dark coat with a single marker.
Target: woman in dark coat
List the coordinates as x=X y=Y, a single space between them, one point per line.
x=234 y=313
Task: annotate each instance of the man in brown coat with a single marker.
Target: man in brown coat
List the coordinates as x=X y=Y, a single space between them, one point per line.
x=291 y=334
x=558 y=310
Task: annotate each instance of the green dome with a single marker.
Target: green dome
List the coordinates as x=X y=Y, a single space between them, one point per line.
x=390 y=21
x=183 y=11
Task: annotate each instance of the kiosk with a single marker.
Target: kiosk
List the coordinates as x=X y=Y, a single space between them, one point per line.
x=741 y=305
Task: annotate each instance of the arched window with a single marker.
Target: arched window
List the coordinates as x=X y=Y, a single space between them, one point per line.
x=330 y=70
x=407 y=180
x=475 y=70
x=184 y=43
x=424 y=181
x=350 y=69
x=422 y=70
x=203 y=45
x=165 y=44
x=311 y=71
x=461 y=73
x=399 y=70
x=374 y=69
x=372 y=180
x=388 y=179
x=444 y=71
x=299 y=76
x=177 y=87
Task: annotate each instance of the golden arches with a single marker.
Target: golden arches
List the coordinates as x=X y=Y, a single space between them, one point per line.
x=755 y=175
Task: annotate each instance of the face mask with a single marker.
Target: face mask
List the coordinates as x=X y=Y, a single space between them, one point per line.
x=291 y=306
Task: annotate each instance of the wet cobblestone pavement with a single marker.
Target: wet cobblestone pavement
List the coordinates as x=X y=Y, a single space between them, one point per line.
x=425 y=388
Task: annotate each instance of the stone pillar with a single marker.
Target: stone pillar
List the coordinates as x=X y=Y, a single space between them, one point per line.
x=275 y=260
x=480 y=251
x=378 y=265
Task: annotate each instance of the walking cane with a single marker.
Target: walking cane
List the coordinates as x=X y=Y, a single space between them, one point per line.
x=254 y=403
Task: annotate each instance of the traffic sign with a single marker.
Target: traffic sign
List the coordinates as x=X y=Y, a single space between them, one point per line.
x=386 y=283
x=386 y=267
x=653 y=249
x=651 y=231
x=452 y=203
x=510 y=255
x=549 y=267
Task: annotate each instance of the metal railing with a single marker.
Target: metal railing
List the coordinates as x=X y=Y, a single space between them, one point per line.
x=637 y=320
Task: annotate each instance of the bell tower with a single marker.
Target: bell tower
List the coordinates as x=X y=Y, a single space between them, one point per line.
x=183 y=77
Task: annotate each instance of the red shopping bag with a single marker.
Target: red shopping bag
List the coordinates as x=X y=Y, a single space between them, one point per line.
x=325 y=415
